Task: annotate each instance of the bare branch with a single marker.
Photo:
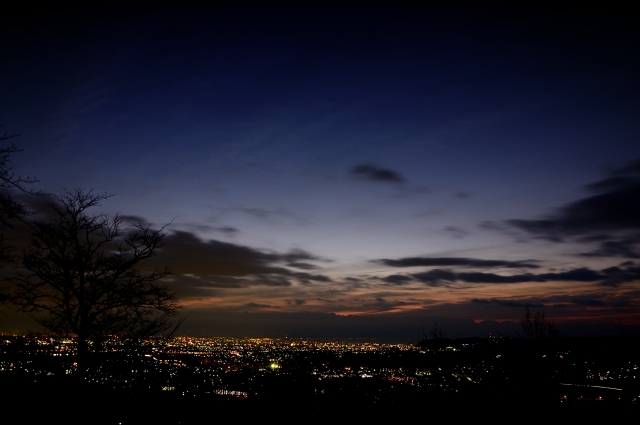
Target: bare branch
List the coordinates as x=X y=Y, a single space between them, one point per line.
x=11 y=210
x=82 y=276
x=538 y=326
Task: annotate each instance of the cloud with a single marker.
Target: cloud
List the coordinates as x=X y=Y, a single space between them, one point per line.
x=297 y=258
x=617 y=275
x=227 y=230
x=612 y=276
x=256 y=305
x=265 y=280
x=376 y=174
x=435 y=277
x=205 y=268
x=592 y=300
x=185 y=253
x=456 y=232
x=397 y=279
x=133 y=219
x=208 y=286
x=306 y=278
x=626 y=247
x=221 y=265
x=204 y=228
x=452 y=261
x=582 y=274
x=613 y=207
x=303 y=266
x=586 y=301
x=508 y=303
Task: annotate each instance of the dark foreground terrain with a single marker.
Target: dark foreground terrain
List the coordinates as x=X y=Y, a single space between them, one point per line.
x=183 y=382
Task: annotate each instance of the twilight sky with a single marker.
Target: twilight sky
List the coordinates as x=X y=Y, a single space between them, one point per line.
x=348 y=172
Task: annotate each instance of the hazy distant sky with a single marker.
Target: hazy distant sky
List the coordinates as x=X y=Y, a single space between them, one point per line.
x=349 y=171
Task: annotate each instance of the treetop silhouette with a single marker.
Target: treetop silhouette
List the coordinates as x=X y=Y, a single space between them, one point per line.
x=79 y=274
x=537 y=326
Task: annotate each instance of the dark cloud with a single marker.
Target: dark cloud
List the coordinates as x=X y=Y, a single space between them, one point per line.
x=352 y=282
x=614 y=207
x=456 y=232
x=302 y=266
x=578 y=275
x=221 y=265
x=626 y=247
x=463 y=195
x=133 y=219
x=376 y=174
x=266 y=280
x=207 y=286
x=452 y=261
x=508 y=303
x=257 y=280
x=307 y=278
x=594 y=300
x=227 y=230
x=256 y=305
x=194 y=287
x=587 y=301
x=296 y=257
x=495 y=278
x=261 y=280
x=435 y=277
x=222 y=282
x=380 y=305
x=612 y=276
x=185 y=253
x=397 y=279
x=481 y=301
x=204 y=228
x=617 y=275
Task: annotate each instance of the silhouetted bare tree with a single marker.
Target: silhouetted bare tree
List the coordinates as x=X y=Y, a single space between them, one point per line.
x=79 y=274
x=538 y=326
x=10 y=209
x=435 y=340
x=437 y=332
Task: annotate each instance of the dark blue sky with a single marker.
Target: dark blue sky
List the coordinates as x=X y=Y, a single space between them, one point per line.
x=402 y=165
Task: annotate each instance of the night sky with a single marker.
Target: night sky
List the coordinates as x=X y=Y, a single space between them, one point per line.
x=348 y=171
